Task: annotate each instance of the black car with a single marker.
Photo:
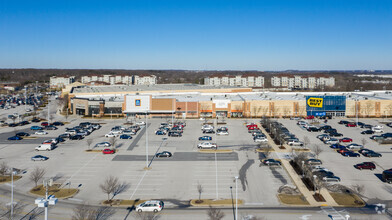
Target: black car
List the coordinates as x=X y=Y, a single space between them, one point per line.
x=209 y=131
x=164 y=154
x=12 y=125
x=367 y=132
x=331 y=130
x=335 y=134
x=367 y=126
x=35 y=120
x=371 y=154
x=343 y=122
x=325 y=127
x=23 y=123
x=51 y=127
x=76 y=137
x=174 y=134
x=313 y=129
x=59 y=139
x=57 y=123
x=64 y=136
x=22 y=134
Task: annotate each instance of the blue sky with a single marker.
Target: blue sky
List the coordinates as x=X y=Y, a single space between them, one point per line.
x=199 y=35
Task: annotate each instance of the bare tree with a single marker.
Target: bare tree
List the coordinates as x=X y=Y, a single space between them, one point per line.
x=147 y=216
x=37 y=174
x=319 y=183
x=306 y=141
x=266 y=150
x=110 y=185
x=86 y=212
x=89 y=142
x=199 y=190
x=317 y=150
x=3 y=168
x=113 y=141
x=363 y=141
x=5 y=210
x=215 y=214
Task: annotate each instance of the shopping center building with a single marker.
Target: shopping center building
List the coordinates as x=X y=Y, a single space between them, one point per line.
x=195 y=101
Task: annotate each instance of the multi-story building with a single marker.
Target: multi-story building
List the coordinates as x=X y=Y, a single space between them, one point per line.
x=302 y=82
x=144 y=79
x=94 y=79
x=247 y=80
x=61 y=81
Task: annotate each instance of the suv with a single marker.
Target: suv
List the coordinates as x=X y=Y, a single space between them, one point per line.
x=150 y=206
x=387 y=175
x=207 y=145
x=365 y=165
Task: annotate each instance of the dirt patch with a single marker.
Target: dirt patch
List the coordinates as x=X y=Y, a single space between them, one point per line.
x=292 y=199
x=6 y=179
x=123 y=202
x=348 y=199
x=55 y=190
x=221 y=202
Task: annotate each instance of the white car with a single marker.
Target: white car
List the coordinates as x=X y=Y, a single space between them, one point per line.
x=111 y=135
x=116 y=132
x=222 y=133
x=377 y=129
x=295 y=143
x=150 y=206
x=261 y=140
x=332 y=141
x=141 y=123
x=207 y=145
x=41 y=132
x=354 y=146
x=103 y=144
x=207 y=127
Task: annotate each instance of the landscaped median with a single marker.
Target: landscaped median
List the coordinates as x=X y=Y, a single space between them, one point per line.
x=215 y=151
x=7 y=178
x=122 y=202
x=348 y=199
x=212 y=202
x=30 y=137
x=60 y=193
x=297 y=199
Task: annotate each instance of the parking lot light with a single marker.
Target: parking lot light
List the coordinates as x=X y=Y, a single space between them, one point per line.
x=314 y=185
x=303 y=172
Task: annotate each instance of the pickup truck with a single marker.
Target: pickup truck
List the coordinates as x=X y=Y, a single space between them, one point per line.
x=207 y=145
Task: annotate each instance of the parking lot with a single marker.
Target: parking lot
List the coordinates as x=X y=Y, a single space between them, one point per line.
x=342 y=166
x=174 y=178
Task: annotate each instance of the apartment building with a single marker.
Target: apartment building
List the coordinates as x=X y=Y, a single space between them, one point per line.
x=247 y=80
x=61 y=81
x=120 y=79
x=302 y=82
x=144 y=79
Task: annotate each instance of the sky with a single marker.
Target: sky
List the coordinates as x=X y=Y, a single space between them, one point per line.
x=265 y=35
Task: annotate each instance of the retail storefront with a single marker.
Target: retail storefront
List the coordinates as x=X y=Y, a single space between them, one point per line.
x=319 y=106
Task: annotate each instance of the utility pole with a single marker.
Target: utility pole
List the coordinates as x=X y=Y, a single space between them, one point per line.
x=236 y=197
x=146 y=141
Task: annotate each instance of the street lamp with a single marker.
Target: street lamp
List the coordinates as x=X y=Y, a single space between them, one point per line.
x=303 y=174
x=12 y=192
x=236 y=197
x=314 y=185
x=45 y=202
x=146 y=141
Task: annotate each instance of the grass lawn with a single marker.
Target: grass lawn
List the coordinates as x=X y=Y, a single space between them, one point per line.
x=263 y=150
x=6 y=179
x=123 y=202
x=347 y=199
x=221 y=202
x=54 y=190
x=292 y=199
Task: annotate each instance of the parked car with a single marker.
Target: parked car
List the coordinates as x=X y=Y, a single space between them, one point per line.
x=57 y=123
x=208 y=131
x=111 y=134
x=15 y=138
x=164 y=154
x=39 y=158
x=325 y=127
x=364 y=150
x=108 y=151
x=222 y=133
x=36 y=120
x=150 y=206
x=76 y=137
x=346 y=140
x=36 y=128
x=205 y=138
x=41 y=132
x=331 y=179
x=206 y=145
x=45 y=147
x=44 y=124
x=313 y=162
x=387 y=176
x=331 y=141
x=354 y=146
x=351 y=154
x=337 y=146
x=365 y=165
x=103 y=144
x=22 y=134
x=260 y=140
x=174 y=134
x=295 y=143
x=351 y=125
x=343 y=122
x=271 y=162
x=371 y=154
x=160 y=132
x=141 y=123
x=313 y=129
x=309 y=117
x=125 y=136
x=367 y=132
x=51 y=127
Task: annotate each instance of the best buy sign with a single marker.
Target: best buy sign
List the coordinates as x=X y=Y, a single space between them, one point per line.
x=315 y=102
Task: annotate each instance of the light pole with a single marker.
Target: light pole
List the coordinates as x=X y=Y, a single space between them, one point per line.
x=25 y=97
x=12 y=193
x=111 y=115
x=303 y=174
x=146 y=141
x=314 y=185
x=236 y=197
x=45 y=202
x=216 y=176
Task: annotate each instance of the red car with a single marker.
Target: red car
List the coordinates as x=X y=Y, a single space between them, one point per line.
x=44 y=124
x=365 y=165
x=346 y=140
x=309 y=117
x=351 y=125
x=251 y=126
x=108 y=151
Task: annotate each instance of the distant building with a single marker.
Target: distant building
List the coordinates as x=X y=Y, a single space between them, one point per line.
x=61 y=81
x=120 y=79
x=302 y=82
x=144 y=79
x=247 y=80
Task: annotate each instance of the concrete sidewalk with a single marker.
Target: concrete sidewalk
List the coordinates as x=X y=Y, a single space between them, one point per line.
x=329 y=201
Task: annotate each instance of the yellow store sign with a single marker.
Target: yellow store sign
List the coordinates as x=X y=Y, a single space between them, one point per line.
x=315 y=102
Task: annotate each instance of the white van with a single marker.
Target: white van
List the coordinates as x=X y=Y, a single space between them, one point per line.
x=47 y=147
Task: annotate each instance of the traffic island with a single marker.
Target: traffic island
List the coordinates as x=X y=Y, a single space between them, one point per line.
x=30 y=137
x=265 y=150
x=60 y=193
x=8 y=178
x=122 y=202
x=289 y=199
x=348 y=199
x=212 y=202
x=215 y=151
